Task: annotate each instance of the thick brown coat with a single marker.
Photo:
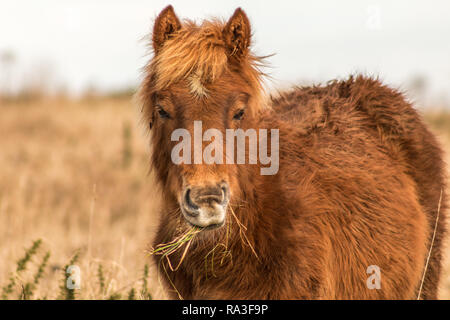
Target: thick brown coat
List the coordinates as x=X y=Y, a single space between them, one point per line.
x=359 y=183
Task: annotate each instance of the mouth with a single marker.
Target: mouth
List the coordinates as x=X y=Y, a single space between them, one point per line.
x=207 y=228
x=197 y=219
x=205 y=207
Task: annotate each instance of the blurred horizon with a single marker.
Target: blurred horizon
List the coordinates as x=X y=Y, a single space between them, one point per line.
x=79 y=47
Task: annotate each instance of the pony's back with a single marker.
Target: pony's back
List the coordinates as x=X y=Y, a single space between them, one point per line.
x=386 y=115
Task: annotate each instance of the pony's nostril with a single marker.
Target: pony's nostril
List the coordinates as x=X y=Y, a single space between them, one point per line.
x=225 y=192
x=188 y=200
x=199 y=197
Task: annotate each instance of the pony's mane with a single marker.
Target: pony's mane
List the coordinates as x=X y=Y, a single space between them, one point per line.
x=198 y=53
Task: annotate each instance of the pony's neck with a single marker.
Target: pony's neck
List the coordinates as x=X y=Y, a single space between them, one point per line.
x=249 y=205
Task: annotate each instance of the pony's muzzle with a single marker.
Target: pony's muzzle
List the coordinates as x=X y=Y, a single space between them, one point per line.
x=205 y=206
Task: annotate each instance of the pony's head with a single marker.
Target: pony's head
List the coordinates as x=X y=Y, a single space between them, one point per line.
x=199 y=72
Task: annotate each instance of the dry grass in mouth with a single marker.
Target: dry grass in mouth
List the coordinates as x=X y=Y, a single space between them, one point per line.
x=242 y=230
x=185 y=240
x=166 y=249
x=226 y=253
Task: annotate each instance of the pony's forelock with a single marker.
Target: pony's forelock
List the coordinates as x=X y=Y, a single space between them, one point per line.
x=198 y=54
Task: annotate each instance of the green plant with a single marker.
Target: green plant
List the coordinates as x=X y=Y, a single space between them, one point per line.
x=101 y=278
x=21 y=266
x=144 y=292
x=66 y=292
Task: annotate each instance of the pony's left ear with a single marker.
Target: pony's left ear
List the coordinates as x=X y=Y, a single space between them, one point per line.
x=237 y=34
x=166 y=24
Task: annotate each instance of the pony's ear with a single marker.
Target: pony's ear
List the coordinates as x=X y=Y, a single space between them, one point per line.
x=237 y=34
x=166 y=24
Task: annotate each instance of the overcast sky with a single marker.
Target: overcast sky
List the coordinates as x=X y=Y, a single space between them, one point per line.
x=98 y=42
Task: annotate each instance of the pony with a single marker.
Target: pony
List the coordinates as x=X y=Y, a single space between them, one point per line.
x=356 y=210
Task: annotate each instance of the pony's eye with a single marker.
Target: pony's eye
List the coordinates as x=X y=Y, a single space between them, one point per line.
x=163 y=113
x=238 y=115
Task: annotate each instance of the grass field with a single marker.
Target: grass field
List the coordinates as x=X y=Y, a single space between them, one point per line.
x=75 y=174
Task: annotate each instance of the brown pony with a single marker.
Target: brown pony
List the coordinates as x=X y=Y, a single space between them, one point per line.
x=360 y=181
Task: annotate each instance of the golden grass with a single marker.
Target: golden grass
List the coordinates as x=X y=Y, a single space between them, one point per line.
x=75 y=174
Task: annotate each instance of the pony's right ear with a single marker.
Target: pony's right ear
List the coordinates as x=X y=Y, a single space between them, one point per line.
x=166 y=24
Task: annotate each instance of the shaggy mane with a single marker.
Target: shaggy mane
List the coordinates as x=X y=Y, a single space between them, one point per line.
x=198 y=53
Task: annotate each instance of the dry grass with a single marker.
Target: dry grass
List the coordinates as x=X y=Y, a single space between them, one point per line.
x=74 y=174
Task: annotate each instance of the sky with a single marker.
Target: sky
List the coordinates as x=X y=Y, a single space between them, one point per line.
x=103 y=43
